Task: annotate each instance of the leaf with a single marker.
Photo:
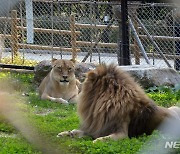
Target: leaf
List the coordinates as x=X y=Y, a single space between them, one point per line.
x=177 y=87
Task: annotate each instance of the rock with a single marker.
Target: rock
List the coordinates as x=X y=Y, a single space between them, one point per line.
x=41 y=70
x=44 y=67
x=82 y=68
x=149 y=76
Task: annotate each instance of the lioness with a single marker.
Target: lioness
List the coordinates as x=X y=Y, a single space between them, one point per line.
x=112 y=105
x=60 y=85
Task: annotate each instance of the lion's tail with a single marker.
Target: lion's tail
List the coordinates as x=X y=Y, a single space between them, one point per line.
x=176 y=111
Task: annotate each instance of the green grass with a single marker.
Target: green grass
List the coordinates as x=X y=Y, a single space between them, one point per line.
x=18 y=60
x=50 y=118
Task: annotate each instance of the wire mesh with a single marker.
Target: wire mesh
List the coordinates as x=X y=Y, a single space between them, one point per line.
x=158 y=29
x=89 y=31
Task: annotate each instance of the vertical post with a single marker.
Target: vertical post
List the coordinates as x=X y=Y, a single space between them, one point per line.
x=52 y=27
x=29 y=21
x=177 y=45
x=14 y=34
x=73 y=37
x=125 y=54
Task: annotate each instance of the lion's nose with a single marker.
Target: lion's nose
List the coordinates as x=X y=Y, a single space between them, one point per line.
x=65 y=76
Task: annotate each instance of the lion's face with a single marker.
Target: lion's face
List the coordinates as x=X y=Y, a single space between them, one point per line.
x=63 y=71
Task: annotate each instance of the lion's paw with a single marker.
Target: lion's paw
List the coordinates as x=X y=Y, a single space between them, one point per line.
x=101 y=139
x=66 y=133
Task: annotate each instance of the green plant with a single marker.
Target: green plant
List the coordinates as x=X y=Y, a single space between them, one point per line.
x=18 y=60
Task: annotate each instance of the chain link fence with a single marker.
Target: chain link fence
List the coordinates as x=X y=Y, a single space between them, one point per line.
x=89 y=31
x=158 y=28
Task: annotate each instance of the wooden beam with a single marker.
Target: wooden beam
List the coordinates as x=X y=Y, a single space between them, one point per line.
x=73 y=37
x=39 y=47
x=8 y=36
x=158 y=56
x=54 y=31
x=108 y=45
x=14 y=33
x=8 y=19
x=164 y=38
x=93 y=26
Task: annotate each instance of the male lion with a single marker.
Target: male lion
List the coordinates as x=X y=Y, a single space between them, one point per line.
x=112 y=105
x=60 y=85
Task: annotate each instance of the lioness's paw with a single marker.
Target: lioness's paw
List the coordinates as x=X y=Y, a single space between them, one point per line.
x=61 y=100
x=65 y=102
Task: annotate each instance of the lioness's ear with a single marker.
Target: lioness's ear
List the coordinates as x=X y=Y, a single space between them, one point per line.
x=92 y=75
x=84 y=74
x=52 y=62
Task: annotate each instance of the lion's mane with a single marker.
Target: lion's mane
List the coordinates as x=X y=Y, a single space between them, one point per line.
x=110 y=97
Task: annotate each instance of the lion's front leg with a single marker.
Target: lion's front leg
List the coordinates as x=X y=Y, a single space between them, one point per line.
x=114 y=136
x=72 y=133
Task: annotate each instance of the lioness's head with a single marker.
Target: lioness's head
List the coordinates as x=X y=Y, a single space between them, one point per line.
x=63 y=70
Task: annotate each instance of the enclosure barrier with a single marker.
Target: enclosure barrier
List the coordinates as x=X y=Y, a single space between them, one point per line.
x=15 y=45
x=82 y=24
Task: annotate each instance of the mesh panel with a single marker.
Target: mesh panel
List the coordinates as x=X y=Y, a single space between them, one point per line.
x=158 y=30
x=89 y=31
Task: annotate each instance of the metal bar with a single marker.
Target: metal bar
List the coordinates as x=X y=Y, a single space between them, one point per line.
x=16 y=66
x=139 y=42
x=154 y=43
x=29 y=21
x=177 y=45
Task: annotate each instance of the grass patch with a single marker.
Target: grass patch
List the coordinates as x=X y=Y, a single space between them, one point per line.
x=51 y=118
x=18 y=60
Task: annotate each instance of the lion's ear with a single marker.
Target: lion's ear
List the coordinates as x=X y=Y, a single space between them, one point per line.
x=73 y=60
x=92 y=75
x=53 y=60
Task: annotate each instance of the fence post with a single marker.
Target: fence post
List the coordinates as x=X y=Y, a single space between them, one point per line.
x=125 y=55
x=73 y=37
x=14 y=34
x=177 y=43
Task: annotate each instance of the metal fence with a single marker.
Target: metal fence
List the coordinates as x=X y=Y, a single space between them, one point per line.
x=89 y=31
x=158 y=29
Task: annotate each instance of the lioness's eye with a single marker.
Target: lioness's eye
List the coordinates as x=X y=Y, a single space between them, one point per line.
x=70 y=69
x=59 y=68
